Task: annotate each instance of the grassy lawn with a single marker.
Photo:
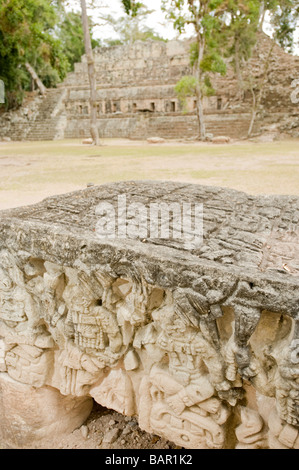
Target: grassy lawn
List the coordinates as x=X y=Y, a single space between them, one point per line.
x=31 y=171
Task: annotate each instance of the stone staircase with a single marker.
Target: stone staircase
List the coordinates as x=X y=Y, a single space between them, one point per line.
x=47 y=124
x=15 y=124
x=38 y=119
x=170 y=127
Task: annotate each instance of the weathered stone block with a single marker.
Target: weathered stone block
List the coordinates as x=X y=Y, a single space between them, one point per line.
x=29 y=414
x=198 y=342
x=156 y=140
x=221 y=139
x=87 y=141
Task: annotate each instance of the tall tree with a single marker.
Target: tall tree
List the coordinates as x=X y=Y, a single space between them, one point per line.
x=244 y=24
x=91 y=74
x=284 y=16
x=240 y=33
x=206 y=18
x=257 y=86
x=131 y=8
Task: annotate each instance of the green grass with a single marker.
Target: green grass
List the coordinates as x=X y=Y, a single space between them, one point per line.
x=33 y=170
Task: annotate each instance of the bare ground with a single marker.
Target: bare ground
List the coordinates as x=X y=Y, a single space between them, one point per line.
x=105 y=429
x=31 y=171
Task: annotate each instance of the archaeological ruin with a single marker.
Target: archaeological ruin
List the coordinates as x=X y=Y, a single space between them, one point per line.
x=200 y=345
x=136 y=97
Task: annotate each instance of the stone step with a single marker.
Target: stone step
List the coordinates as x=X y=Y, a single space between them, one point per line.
x=45 y=128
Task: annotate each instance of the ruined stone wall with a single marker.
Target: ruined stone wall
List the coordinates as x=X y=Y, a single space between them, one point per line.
x=168 y=126
x=136 y=85
x=136 y=97
x=150 y=62
x=134 y=78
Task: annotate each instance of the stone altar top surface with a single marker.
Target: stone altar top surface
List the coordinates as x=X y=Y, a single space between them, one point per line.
x=252 y=241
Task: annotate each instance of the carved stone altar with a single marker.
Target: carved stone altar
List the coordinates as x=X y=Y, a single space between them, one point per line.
x=201 y=345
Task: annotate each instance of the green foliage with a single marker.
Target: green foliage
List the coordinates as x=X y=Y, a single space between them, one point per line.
x=186 y=87
x=284 y=16
x=42 y=33
x=130 y=28
x=207 y=87
x=193 y=53
x=71 y=35
x=131 y=7
x=27 y=35
x=211 y=62
x=214 y=63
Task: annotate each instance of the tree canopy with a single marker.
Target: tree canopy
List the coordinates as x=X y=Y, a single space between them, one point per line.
x=27 y=35
x=206 y=57
x=42 y=33
x=70 y=33
x=131 y=26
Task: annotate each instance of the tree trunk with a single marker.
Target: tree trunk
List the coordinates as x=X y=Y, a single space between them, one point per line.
x=257 y=98
x=92 y=76
x=200 y=116
x=252 y=121
x=36 y=79
x=199 y=95
x=262 y=15
x=238 y=69
x=253 y=113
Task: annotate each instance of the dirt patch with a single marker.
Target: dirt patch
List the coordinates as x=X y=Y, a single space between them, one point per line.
x=32 y=171
x=106 y=429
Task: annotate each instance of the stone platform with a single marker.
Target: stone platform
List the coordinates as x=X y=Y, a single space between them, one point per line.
x=200 y=343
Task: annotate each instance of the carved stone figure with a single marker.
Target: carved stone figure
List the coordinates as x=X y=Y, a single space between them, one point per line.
x=200 y=346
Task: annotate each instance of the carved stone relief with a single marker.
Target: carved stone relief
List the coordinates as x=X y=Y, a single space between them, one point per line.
x=140 y=350
x=200 y=345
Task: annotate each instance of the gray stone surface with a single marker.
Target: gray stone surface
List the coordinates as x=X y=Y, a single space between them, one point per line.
x=250 y=243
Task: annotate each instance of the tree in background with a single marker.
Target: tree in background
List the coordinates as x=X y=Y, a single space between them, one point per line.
x=91 y=74
x=39 y=43
x=283 y=16
x=246 y=20
x=240 y=34
x=27 y=36
x=206 y=17
x=70 y=33
x=131 y=8
x=131 y=27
